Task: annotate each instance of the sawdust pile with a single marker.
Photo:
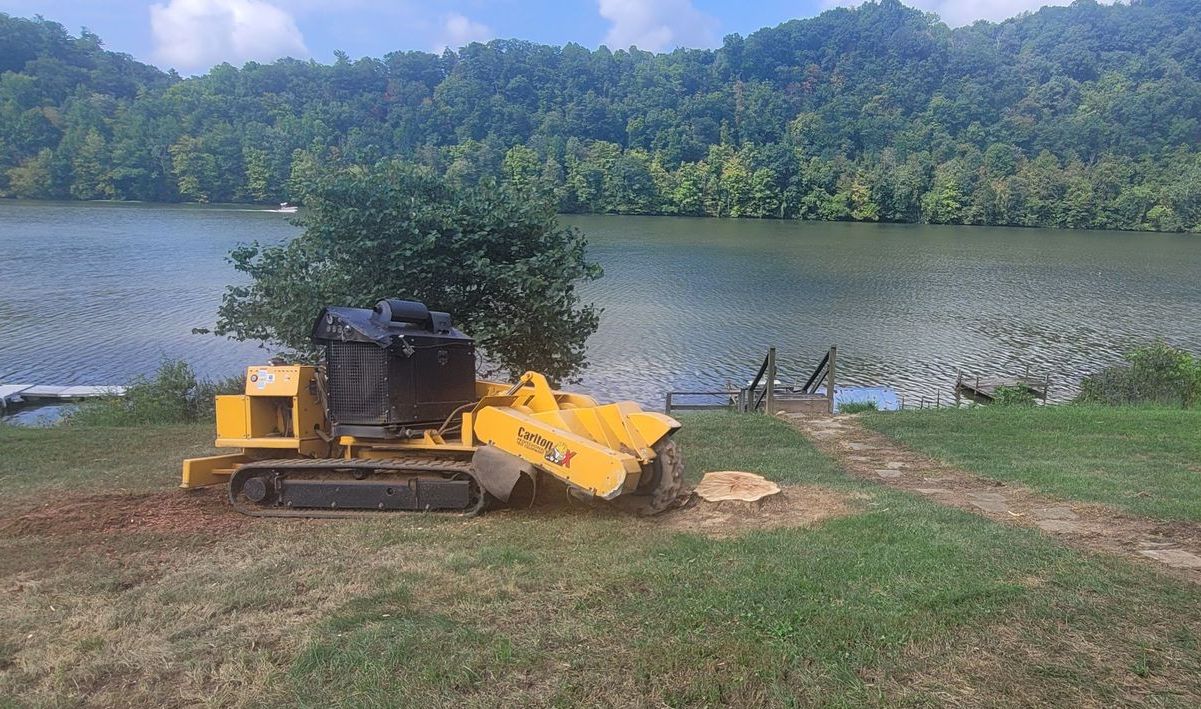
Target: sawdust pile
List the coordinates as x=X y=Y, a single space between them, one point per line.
x=792 y=506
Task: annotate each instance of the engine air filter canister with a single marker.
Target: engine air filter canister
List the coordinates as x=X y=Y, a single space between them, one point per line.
x=394 y=310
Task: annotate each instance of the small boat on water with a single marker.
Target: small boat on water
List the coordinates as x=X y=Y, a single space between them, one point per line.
x=287 y=208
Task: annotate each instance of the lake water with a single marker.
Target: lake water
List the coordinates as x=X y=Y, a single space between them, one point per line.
x=99 y=293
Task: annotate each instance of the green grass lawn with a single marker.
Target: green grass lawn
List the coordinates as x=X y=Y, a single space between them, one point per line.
x=1143 y=460
x=79 y=458
x=901 y=602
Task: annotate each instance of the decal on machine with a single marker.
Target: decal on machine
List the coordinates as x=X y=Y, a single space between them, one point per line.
x=551 y=452
x=264 y=377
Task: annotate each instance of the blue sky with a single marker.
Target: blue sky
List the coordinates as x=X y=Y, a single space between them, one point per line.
x=193 y=35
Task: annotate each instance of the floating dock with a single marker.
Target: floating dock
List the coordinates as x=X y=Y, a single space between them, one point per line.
x=984 y=389
x=14 y=395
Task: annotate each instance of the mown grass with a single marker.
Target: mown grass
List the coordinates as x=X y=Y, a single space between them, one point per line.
x=1146 y=461
x=80 y=459
x=901 y=603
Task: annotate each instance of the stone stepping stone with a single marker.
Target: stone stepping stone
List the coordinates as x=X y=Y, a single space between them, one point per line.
x=888 y=473
x=989 y=501
x=1054 y=513
x=861 y=446
x=1176 y=558
x=931 y=490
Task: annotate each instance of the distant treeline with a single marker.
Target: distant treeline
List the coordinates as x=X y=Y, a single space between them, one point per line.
x=1080 y=116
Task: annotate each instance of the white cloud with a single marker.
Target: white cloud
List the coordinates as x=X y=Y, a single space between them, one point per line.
x=964 y=12
x=458 y=30
x=192 y=35
x=657 y=25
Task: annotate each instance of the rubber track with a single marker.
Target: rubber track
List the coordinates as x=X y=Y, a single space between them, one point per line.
x=339 y=466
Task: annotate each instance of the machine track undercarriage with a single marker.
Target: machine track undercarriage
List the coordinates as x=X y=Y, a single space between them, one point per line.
x=339 y=487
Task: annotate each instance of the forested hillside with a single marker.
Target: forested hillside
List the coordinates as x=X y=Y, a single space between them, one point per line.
x=1081 y=116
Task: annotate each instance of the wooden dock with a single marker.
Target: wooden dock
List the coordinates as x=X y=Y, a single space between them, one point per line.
x=14 y=395
x=984 y=389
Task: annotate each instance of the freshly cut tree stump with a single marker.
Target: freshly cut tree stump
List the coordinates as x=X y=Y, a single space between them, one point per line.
x=735 y=485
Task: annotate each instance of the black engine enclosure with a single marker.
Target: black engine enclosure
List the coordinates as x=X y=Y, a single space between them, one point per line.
x=393 y=370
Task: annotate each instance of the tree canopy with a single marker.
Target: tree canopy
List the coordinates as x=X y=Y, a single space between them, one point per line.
x=1079 y=116
x=493 y=257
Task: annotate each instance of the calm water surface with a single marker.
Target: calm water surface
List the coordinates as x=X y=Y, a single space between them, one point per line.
x=98 y=293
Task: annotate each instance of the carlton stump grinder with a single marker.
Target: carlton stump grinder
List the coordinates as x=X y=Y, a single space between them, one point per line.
x=394 y=420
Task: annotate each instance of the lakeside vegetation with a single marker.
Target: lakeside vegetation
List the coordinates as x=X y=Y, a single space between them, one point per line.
x=1084 y=116
x=1154 y=374
x=895 y=600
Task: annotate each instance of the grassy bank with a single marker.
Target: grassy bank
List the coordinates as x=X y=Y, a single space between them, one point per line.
x=1146 y=461
x=79 y=460
x=890 y=600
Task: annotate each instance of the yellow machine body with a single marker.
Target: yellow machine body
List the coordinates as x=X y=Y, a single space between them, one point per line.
x=601 y=450
x=279 y=414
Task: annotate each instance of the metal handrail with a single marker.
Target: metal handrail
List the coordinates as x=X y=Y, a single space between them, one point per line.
x=755 y=385
x=758 y=377
x=818 y=374
x=762 y=396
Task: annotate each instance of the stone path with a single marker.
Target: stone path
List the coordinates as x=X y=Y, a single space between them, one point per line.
x=1176 y=546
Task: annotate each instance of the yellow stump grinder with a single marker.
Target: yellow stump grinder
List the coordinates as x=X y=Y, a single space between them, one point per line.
x=395 y=420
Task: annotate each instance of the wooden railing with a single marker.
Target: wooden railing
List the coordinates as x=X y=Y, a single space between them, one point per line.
x=822 y=372
x=768 y=370
x=762 y=394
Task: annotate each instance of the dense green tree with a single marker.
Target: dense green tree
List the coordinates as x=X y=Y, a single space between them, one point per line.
x=943 y=204
x=194 y=169
x=497 y=260
x=1079 y=116
x=90 y=165
x=32 y=178
x=305 y=171
x=522 y=168
x=688 y=194
x=258 y=173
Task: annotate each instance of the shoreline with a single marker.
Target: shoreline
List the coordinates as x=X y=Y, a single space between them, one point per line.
x=272 y=208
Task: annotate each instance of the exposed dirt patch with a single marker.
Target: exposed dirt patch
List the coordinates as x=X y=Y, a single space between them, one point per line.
x=1176 y=546
x=794 y=506
x=205 y=513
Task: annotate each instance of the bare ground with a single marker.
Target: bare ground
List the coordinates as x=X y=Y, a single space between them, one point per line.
x=794 y=506
x=171 y=511
x=1174 y=546
x=207 y=513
